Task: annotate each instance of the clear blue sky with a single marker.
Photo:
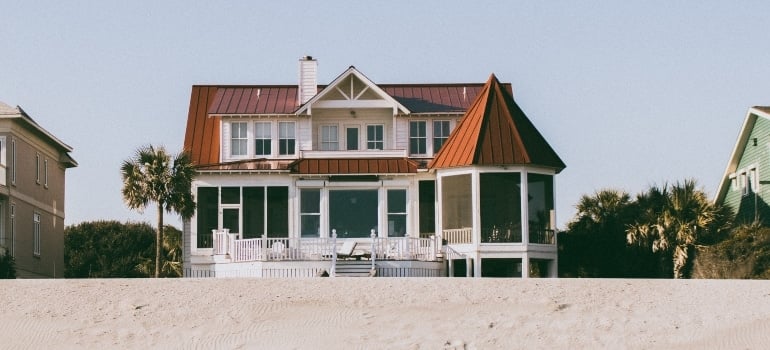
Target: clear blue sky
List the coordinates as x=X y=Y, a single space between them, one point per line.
x=629 y=94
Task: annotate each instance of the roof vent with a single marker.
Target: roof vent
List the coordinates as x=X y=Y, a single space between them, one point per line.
x=308 y=79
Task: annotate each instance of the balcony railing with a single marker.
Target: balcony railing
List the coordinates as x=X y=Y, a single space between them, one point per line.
x=313 y=249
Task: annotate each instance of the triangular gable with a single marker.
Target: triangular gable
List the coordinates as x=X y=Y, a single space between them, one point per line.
x=495 y=131
x=352 y=89
x=740 y=147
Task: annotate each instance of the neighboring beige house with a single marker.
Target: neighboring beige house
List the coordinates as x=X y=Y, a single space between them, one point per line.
x=32 y=169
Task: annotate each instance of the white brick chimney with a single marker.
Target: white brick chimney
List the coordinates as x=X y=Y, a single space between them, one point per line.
x=308 y=79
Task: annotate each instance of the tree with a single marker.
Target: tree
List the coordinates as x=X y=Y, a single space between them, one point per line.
x=594 y=244
x=172 y=255
x=106 y=249
x=151 y=176
x=7 y=265
x=671 y=219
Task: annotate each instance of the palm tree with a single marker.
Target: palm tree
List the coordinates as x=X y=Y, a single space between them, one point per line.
x=673 y=218
x=153 y=176
x=597 y=234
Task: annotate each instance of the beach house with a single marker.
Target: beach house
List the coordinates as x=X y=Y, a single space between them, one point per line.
x=359 y=178
x=32 y=173
x=741 y=187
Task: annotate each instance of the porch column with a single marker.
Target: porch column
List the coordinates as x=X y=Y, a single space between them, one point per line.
x=477 y=266
x=525 y=265
x=553 y=268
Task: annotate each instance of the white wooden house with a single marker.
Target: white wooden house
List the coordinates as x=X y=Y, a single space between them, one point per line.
x=425 y=179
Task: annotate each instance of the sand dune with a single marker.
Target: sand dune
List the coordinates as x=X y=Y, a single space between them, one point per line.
x=384 y=313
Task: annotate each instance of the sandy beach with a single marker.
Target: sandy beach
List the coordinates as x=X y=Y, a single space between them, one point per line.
x=384 y=313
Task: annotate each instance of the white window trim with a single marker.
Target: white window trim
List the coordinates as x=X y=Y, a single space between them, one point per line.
x=13 y=162
x=280 y=138
x=426 y=138
x=382 y=141
x=245 y=138
x=45 y=173
x=746 y=179
x=36 y=234
x=269 y=137
x=433 y=135
x=37 y=168
x=331 y=142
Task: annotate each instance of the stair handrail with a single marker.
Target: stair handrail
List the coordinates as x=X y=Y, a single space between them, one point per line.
x=374 y=249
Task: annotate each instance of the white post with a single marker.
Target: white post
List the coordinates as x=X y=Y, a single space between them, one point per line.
x=525 y=265
x=333 y=272
x=451 y=272
x=468 y=266
x=264 y=247
x=374 y=249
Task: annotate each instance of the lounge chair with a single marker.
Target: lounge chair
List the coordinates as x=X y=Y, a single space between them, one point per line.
x=347 y=249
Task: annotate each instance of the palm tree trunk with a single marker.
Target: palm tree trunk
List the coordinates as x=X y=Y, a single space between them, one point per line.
x=159 y=240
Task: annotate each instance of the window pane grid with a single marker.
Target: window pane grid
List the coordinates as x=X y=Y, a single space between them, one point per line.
x=374 y=137
x=262 y=138
x=238 y=139
x=417 y=137
x=286 y=138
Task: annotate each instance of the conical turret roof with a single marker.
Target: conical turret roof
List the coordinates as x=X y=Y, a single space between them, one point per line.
x=495 y=131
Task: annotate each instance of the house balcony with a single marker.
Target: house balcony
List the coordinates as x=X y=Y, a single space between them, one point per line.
x=495 y=235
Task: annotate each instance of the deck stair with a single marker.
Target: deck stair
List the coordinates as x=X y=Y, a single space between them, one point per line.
x=353 y=268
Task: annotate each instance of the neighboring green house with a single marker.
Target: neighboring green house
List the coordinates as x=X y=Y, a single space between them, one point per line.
x=745 y=185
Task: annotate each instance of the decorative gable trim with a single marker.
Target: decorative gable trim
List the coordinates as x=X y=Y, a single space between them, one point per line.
x=352 y=97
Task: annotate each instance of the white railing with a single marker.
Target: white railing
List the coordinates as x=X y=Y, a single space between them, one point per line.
x=404 y=248
x=314 y=249
x=458 y=235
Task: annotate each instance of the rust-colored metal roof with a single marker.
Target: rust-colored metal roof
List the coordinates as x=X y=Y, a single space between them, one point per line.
x=248 y=165
x=354 y=166
x=257 y=99
x=495 y=131
x=208 y=102
x=201 y=139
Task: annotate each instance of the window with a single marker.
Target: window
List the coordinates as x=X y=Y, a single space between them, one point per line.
x=427 y=190
x=440 y=134
x=238 y=139
x=3 y=163
x=36 y=234
x=351 y=138
x=417 y=137
x=374 y=137
x=248 y=211
x=396 y=213
x=329 y=140
x=37 y=168
x=262 y=139
x=353 y=213
x=13 y=160
x=286 y=138
x=310 y=212
x=45 y=173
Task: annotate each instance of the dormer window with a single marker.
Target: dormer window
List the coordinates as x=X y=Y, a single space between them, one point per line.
x=262 y=139
x=417 y=137
x=286 y=138
x=239 y=139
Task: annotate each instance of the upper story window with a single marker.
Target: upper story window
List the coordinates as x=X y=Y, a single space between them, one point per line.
x=374 y=137
x=746 y=180
x=286 y=138
x=13 y=162
x=37 y=168
x=417 y=137
x=262 y=139
x=440 y=134
x=3 y=163
x=238 y=139
x=329 y=138
x=45 y=173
